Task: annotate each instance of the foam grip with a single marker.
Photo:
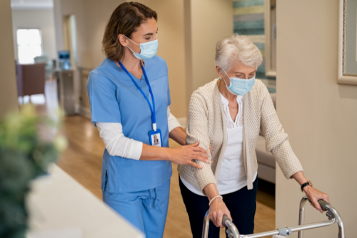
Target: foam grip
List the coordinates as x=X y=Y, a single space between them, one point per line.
x=225 y=218
x=323 y=204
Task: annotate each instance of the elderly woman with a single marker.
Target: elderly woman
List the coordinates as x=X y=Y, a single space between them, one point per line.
x=228 y=114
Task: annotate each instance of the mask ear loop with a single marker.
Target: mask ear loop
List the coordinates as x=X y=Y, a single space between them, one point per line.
x=129 y=47
x=225 y=80
x=131 y=40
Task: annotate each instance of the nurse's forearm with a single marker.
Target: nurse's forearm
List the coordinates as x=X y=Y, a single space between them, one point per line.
x=179 y=135
x=180 y=155
x=154 y=153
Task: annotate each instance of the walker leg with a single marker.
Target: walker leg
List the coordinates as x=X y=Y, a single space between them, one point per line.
x=302 y=214
x=341 y=228
x=205 y=226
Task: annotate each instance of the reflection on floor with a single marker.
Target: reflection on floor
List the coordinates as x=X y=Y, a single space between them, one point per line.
x=83 y=160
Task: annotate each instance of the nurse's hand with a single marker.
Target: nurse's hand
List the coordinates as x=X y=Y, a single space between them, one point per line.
x=216 y=211
x=185 y=154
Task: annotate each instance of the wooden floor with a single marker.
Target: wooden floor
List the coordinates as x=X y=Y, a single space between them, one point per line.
x=83 y=160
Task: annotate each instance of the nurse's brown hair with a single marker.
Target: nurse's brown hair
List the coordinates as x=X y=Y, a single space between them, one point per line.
x=124 y=20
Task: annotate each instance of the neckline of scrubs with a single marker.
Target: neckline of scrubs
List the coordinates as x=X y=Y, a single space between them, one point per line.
x=139 y=81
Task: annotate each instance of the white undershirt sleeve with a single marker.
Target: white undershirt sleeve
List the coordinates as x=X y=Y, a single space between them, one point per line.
x=172 y=121
x=116 y=143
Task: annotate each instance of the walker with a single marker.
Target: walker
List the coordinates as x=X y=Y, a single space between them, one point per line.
x=331 y=213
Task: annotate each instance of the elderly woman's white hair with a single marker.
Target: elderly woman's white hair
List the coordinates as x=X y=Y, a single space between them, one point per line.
x=237 y=48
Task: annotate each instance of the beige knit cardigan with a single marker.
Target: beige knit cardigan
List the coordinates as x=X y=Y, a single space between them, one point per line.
x=206 y=125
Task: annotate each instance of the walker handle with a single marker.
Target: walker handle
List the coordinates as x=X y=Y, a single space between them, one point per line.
x=224 y=219
x=232 y=230
x=324 y=204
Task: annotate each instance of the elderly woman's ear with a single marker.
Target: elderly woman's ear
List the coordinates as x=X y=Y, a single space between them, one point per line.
x=218 y=71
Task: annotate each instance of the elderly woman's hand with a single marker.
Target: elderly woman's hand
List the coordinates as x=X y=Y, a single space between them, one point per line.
x=216 y=211
x=217 y=207
x=314 y=195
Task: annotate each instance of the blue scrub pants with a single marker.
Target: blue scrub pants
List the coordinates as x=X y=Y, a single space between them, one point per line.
x=146 y=210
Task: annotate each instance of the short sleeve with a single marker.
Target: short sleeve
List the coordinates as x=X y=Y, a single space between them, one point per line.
x=102 y=98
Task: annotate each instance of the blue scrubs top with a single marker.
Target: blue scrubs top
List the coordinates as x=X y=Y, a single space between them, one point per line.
x=115 y=98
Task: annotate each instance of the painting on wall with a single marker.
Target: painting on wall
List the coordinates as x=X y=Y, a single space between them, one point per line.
x=347 y=55
x=270 y=38
x=249 y=19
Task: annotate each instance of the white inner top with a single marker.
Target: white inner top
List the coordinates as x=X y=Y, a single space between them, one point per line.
x=232 y=176
x=119 y=145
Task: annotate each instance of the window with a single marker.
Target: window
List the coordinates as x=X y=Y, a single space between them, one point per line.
x=29 y=45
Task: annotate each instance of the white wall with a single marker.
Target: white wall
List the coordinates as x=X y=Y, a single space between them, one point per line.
x=61 y=9
x=8 y=91
x=206 y=22
x=42 y=19
x=319 y=115
x=172 y=49
x=91 y=19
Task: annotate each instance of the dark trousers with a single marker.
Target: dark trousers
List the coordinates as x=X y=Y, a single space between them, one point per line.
x=241 y=204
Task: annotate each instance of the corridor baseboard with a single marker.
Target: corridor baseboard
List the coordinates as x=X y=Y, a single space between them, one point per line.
x=77 y=108
x=83 y=111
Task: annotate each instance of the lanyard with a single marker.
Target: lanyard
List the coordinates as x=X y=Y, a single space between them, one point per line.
x=152 y=109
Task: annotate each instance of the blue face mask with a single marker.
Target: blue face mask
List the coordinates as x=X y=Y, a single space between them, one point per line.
x=147 y=50
x=239 y=86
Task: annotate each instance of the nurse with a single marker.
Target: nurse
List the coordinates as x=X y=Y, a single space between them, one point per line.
x=129 y=99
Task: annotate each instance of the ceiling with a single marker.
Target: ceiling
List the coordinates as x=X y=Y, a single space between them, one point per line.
x=31 y=4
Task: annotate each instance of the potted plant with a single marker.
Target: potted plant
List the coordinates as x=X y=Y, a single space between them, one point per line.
x=28 y=144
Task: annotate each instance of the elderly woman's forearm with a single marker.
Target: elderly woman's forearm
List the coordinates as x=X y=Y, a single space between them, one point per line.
x=211 y=191
x=300 y=177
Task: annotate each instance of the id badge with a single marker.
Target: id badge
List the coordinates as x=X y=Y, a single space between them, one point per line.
x=155 y=138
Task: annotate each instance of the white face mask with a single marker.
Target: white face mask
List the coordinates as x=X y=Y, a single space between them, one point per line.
x=239 y=86
x=147 y=50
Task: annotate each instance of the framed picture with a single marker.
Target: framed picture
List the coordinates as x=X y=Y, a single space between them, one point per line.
x=347 y=42
x=270 y=37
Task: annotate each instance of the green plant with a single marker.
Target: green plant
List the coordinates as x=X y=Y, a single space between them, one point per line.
x=28 y=144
